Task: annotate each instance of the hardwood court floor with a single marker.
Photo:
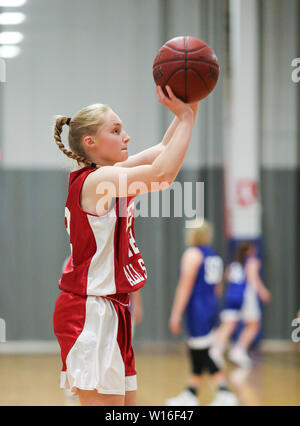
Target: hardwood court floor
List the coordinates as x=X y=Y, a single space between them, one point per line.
x=34 y=380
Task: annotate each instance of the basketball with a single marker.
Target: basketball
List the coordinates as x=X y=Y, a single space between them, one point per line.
x=189 y=66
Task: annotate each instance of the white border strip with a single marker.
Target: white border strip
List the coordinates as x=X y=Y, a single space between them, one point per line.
x=51 y=347
x=30 y=347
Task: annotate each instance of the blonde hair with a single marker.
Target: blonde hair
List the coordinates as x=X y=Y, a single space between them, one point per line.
x=200 y=233
x=85 y=122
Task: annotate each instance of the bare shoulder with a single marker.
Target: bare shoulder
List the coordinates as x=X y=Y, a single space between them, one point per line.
x=89 y=196
x=252 y=264
x=192 y=255
x=253 y=261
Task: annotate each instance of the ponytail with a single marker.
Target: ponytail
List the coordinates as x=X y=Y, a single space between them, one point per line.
x=60 y=122
x=84 y=123
x=242 y=251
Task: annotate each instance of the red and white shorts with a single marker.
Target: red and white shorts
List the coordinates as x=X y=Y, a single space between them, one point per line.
x=94 y=334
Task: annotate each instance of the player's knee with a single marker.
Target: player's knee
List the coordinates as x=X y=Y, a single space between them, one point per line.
x=209 y=363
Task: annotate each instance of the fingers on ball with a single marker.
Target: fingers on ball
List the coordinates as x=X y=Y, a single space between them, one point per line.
x=169 y=90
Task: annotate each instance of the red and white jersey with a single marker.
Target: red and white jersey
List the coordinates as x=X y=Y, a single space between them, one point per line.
x=105 y=259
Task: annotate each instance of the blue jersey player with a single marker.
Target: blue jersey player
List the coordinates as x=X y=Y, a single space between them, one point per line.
x=196 y=296
x=245 y=288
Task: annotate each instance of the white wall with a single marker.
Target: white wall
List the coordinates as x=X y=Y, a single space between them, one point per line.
x=74 y=54
x=77 y=53
x=205 y=20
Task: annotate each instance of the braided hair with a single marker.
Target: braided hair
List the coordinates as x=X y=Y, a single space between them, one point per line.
x=242 y=251
x=86 y=122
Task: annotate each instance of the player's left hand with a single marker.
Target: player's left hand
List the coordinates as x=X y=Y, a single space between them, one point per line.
x=264 y=295
x=174 y=325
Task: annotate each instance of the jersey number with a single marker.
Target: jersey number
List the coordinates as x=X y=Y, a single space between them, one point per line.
x=213 y=268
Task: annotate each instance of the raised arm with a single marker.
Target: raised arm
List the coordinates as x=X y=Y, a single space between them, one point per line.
x=253 y=278
x=173 y=126
x=148 y=155
x=115 y=181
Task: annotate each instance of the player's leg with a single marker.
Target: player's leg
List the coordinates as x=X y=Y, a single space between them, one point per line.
x=129 y=361
x=196 y=365
x=130 y=398
x=194 y=381
x=248 y=334
x=251 y=315
x=189 y=395
x=93 y=398
x=230 y=316
x=223 y=335
x=239 y=353
x=223 y=396
x=225 y=331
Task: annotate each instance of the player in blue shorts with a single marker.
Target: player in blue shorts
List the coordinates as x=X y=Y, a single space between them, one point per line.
x=197 y=297
x=245 y=288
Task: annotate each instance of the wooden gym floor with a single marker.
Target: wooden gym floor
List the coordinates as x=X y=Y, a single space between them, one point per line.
x=34 y=380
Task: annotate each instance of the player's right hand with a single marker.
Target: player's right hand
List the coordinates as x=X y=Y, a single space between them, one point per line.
x=175 y=105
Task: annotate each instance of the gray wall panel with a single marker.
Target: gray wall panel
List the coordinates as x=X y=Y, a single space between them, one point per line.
x=281 y=257
x=33 y=246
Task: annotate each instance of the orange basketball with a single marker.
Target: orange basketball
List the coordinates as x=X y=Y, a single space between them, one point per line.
x=189 y=66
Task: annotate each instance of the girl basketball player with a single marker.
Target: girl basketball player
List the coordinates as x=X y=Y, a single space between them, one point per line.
x=91 y=318
x=241 y=303
x=197 y=295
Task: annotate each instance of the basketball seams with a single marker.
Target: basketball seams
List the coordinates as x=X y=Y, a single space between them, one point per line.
x=183 y=51
x=179 y=69
x=187 y=69
x=173 y=66
x=203 y=81
x=200 y=61
x=191 y=69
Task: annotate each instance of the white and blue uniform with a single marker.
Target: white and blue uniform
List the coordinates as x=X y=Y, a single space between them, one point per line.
x=202 y=309
x=241 y=299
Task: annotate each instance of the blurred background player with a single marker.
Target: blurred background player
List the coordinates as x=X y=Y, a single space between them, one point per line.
x=197 y=296
x=245 y=288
